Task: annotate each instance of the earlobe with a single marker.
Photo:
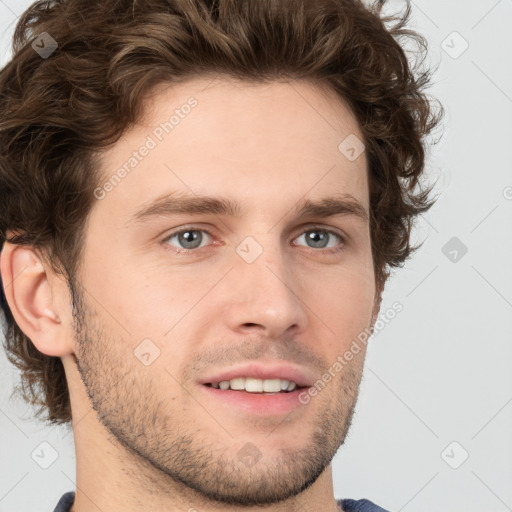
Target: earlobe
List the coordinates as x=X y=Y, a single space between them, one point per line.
x=29 y=294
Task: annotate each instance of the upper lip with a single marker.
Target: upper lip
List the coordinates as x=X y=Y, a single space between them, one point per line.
x=260 y=370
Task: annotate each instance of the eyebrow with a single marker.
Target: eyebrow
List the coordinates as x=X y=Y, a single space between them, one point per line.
x=171 y=204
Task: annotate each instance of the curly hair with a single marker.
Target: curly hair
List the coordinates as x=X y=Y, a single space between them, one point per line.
x=58 y=111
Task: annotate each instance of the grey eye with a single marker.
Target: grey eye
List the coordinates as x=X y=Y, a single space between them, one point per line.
x=318 y=238
x=188 y=238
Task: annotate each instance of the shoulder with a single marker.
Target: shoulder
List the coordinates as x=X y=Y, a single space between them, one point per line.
x=360 y=506
x=65 y=502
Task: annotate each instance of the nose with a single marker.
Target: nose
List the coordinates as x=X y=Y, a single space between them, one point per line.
x=265 y=295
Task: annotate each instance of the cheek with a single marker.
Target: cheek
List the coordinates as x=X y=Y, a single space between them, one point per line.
x=145 y=301
x=343 y=300
x=149 y=299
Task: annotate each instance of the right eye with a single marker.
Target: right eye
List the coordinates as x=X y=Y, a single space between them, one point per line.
x=189 y=238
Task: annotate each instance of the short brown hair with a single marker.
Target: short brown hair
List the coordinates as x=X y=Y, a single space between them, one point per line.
x=58 y=112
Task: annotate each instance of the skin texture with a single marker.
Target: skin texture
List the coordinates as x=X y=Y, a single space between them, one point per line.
x=146 y=436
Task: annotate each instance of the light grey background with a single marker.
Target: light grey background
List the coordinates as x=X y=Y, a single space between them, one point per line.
x=437 y=385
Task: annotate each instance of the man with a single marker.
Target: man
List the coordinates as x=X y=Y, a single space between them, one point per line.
x=202 y=203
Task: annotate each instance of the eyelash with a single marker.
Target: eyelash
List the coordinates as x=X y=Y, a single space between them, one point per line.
x=335 y=250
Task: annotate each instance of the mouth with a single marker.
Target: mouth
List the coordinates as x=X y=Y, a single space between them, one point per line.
x=270 y=387
x=257 y=386
x=255 y=396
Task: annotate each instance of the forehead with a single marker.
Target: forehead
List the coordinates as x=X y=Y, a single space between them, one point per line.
x=223 y=137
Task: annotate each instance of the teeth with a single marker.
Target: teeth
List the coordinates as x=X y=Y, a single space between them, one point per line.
x=253 y=385
x=256 y=385
x=237 y=383
x=272 y=385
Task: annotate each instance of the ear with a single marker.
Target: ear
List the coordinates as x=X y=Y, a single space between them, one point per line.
x=36 y=296
x=376 y=305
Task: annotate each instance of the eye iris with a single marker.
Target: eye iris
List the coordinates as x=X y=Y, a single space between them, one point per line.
x=191 y=239
x=314 y=235
x=192 y=235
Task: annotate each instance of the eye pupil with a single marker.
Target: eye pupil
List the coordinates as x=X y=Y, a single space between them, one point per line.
x=191 y=236
x=315 y=235
x=190 y=239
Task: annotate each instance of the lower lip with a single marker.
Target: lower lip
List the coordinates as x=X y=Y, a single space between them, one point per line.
x=257 y=403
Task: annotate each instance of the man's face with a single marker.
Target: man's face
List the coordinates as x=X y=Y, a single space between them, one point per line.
x=156 y=326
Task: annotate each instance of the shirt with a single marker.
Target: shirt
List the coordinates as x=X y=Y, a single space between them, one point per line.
x=67 y=499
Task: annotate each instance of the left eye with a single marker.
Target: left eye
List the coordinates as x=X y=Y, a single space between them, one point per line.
x=318 y=237
x=190 y=239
